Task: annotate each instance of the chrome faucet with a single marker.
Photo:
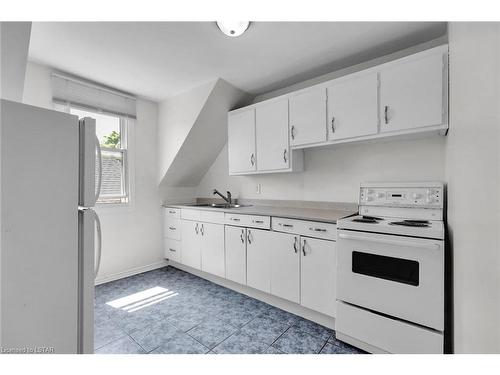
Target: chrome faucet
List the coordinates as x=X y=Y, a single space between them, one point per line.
x=227 y=199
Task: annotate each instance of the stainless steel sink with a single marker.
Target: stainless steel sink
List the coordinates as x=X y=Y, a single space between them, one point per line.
x=219 y=205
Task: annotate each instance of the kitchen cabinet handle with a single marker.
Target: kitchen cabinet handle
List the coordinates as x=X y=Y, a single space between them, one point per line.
x=284 y=155
x=292 y=132
x=317 y=229
x=241 y=236
x=171 y=212
x=202 y=230
x=333 y=124
x=172 y=249
x=386 y=109
x=252 y=160
x=171 y=228
x=295 y=245
x=304 y=247
x=286 y=225
x=258 y=221
x=249 y=237
x=196 y=228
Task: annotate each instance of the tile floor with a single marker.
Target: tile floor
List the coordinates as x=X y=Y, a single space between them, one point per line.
x=173 y=312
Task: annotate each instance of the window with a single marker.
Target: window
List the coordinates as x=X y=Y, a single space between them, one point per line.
x=111 y=131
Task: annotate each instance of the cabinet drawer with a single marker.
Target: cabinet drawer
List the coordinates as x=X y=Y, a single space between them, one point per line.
x=251 y=221
x=315 y=229
x=172 y=229
x=172 y=249
x=212 y=217
x=190 y=214
x=388 y=334
x=173 y=213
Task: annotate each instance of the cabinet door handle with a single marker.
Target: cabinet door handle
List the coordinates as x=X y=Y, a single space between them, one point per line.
x=252 y=160
x=196 y=228
x=202 y=230
x=235 y=219
x=171 y=228
x=241 y=236
x=249 y=237
x=333 y=124
x=386 y=118
x=292 y=132
x=284 y=155
x=295 y=245
x=317 y=229
x=304 y=247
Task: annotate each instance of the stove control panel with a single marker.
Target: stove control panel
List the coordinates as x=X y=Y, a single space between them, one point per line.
x=406 y=196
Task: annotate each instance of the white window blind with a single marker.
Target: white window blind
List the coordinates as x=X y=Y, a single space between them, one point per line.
x=80 y=93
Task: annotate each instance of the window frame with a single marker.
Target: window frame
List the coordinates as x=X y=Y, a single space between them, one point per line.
x=125 y=150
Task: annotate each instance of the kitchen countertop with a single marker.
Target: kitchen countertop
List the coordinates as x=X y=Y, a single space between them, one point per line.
x=327 y=215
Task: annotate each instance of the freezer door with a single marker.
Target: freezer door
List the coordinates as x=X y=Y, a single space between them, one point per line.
x=90 y=164
x=89 y=258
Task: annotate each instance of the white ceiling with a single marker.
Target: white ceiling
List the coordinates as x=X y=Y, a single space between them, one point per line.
x=157 y=60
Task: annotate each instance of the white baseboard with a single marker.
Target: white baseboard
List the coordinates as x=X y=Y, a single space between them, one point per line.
x=130 y=272
x=294 y=308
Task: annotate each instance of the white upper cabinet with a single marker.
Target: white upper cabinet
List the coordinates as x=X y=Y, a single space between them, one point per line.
x=412 y=93
x=241 y=141
x=271 y=121
x=308 y=117
x=352 y=106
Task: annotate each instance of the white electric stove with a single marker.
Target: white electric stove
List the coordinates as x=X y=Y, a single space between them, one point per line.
x=390 y=266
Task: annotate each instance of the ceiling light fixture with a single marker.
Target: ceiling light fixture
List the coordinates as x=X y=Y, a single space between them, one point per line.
x=233 y=28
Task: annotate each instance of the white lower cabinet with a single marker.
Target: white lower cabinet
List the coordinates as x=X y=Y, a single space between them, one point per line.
x=259 y=259
x=212 y=248
x=318 y=269
x=285 y=266
x=236 y=254
x=191 y=254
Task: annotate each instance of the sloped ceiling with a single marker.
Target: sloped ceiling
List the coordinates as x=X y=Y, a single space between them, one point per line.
x=202 y=134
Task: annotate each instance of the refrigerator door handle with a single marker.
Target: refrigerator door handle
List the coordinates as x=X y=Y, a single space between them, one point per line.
x=99 y=158
x=99 y=243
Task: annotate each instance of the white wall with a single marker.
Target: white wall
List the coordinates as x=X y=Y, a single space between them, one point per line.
x=334 y=173
x=131 y=235
x=473 y=190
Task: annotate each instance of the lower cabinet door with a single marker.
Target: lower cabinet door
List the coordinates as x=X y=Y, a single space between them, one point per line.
x=259 y=259
x=236 y=254
x=212 y=248
x=191 y=255
x=318 y=265
x=285 y=266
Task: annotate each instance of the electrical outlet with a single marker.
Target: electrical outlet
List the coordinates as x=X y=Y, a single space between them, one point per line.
x=258 y=189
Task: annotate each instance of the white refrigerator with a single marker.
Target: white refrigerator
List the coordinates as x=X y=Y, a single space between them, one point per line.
x=50 y=235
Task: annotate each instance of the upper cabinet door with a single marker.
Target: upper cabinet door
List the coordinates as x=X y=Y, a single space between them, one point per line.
x=241 y=142
x=272 y=136
x=352 y=107
x=308 y=117
x=412 y=94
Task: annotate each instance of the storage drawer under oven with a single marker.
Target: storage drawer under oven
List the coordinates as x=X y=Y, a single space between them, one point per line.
x=398 y=276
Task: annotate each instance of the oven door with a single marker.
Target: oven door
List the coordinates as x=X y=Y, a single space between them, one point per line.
x=399 y=276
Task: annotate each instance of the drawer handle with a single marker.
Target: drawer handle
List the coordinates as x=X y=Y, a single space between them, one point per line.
x=286 y=225
x=258 y=221
x=172 y=249
x=171 y=212
x=234 y=219
x=171 y=228
x=317 y=229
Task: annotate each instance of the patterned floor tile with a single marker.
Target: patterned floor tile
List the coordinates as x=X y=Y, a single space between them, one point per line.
x=265 y=329
x=280 y=315
x=211 y=332
x=154 y=335
x=296 y=341
x=240 y=343
x=181 y=343
x=124 y=345
x=273 y=350
x=106 y=332
x=313 y=328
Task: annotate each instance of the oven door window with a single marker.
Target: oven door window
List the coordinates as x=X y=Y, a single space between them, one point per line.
x=388 y=268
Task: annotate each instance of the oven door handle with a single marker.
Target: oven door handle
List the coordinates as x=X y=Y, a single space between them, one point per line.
x=432 y=246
